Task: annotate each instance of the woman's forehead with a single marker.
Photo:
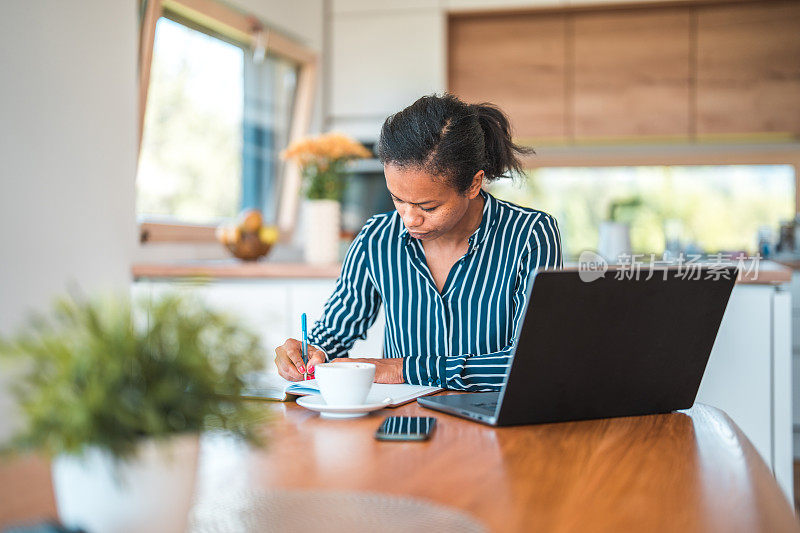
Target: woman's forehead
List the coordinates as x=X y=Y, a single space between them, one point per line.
x=415 y=185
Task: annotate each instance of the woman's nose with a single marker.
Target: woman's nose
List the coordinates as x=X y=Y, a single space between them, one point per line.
x=411 y=219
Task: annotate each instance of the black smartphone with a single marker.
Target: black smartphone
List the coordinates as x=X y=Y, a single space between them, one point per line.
x=406 y=428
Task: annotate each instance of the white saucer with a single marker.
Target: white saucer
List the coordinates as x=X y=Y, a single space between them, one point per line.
x=316 y=403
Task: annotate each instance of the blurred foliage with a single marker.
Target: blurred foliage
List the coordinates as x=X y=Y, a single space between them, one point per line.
x=717 y=208
x=324 y=184
x=107 y=372
x=624 y=209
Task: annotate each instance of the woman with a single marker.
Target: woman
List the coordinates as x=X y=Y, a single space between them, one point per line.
x=451 y=265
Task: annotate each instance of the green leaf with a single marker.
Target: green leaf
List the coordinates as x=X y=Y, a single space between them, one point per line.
x=94 y=378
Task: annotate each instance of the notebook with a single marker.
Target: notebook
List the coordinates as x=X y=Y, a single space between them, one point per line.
x=274 y=387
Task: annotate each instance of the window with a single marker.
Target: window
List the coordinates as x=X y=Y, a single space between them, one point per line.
x=706 y=208
x=191 y=157
x=216 y=119
x=220 y=95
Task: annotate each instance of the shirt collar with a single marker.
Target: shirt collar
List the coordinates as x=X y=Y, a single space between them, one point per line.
x=488 y=221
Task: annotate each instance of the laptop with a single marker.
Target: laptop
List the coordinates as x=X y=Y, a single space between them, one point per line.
x=620 y=345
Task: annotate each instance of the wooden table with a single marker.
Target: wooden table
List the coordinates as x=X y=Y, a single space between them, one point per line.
x=677 y=472
x=688 y=471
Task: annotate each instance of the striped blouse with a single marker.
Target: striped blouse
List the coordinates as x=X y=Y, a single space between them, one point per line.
x=463 y=337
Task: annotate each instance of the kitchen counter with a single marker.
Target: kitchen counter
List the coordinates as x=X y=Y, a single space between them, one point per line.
x=764 y=273
x=768 y=272
x=792 y=263
x=234 y=268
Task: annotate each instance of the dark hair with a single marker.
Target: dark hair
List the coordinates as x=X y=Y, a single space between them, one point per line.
x=448 y=137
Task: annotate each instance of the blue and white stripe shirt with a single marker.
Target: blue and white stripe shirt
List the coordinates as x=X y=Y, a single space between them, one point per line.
x=461 y=338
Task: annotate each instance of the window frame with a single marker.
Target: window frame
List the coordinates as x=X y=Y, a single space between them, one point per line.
x=248 y=31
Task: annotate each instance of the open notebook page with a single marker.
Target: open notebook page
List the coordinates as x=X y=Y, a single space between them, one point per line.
x=274 y=387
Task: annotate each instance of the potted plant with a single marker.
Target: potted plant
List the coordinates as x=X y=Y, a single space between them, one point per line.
x=117 y=393
x=614 y=241
x=322 y=161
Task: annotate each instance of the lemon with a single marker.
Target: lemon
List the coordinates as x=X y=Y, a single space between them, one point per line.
x=268 y=234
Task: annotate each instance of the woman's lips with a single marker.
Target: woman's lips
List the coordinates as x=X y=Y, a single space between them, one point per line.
x=418 y=235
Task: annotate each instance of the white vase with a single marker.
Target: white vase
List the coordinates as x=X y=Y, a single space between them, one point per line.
x=615 y=240
x=151 y=492
x=322 y=228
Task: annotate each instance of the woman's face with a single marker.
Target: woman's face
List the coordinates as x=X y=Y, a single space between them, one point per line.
x=428 y=206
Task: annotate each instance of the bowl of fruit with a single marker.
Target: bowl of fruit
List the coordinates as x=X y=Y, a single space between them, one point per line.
x=248 y=238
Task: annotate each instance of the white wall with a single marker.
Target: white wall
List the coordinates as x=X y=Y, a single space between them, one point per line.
x=68 y=152
x=383 y=56
x=68 y=102
x=387 y=53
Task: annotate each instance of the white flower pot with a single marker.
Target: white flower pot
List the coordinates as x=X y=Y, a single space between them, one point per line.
x=322 y=228
x=614 y=241
x=151 y=492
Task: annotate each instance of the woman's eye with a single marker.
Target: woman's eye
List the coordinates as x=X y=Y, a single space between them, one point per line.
x=428 y=210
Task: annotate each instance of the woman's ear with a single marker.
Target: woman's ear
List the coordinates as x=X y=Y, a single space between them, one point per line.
x=475 y=187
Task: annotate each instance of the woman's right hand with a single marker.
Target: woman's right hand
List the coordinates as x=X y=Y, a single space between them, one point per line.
x=289 y=359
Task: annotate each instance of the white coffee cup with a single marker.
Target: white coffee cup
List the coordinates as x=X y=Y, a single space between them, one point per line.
x=344 y=383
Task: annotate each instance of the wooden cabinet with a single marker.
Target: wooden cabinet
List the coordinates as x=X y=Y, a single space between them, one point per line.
x=748 y=69
x=631 y=72
x=679 y=72
x=515 y=62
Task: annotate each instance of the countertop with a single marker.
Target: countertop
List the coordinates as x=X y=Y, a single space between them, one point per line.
x=766 y=273
x=234 y=268
x=793 y=263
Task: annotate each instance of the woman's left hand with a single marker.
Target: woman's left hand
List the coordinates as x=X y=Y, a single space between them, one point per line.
x=386 y=370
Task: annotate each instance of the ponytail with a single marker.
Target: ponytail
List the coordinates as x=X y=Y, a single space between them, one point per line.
x=502 y=154
x=450 y=138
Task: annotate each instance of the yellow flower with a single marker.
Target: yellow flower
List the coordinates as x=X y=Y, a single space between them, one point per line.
x=324 y=149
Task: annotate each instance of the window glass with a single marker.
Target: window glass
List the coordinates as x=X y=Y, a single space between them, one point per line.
x=704 y=208
x=190 y=165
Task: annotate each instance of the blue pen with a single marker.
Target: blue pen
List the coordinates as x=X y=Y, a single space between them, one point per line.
x=305 y=346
